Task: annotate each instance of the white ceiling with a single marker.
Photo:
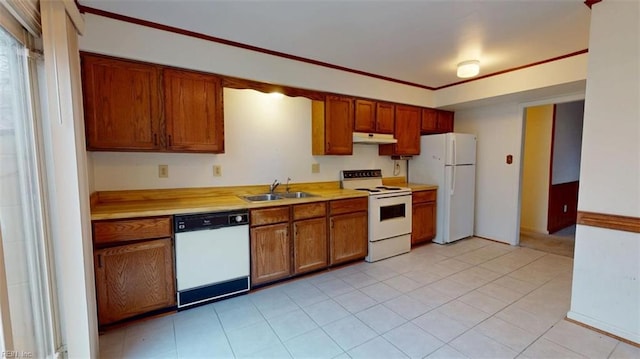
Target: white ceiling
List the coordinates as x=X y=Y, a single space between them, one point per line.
x=415 y=41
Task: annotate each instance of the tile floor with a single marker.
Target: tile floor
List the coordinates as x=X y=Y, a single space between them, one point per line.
x=471 y=299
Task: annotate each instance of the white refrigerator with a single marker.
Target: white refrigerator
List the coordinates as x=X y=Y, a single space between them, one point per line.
x=449 y=161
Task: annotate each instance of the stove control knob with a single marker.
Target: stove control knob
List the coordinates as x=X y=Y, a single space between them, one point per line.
x=238 y=219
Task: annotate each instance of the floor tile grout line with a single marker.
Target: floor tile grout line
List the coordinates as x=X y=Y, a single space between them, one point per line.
x=224 y=330
x=542 y=335
x=492 y=315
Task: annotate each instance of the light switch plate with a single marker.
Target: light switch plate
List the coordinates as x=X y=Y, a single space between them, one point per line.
x=163 y=171
x=315 y=168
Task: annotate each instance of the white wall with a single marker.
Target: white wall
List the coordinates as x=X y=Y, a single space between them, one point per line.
x=265 y=139
x=567 y=142
x=499 y=131
x=606 y=286
x=535 y=168
x=551 y=79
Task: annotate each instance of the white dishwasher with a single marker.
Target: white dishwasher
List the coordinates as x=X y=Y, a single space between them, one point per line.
x=212 y=256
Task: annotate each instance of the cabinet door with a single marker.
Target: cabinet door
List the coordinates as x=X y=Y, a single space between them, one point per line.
x=270 y=253
x=134 y=279
x=338 y=125
x=193 y=111
x=429 y=123
x=365 y=116
x=407 y=132
x=445 y=121
x=385 y=117
x=310 y=244
x=348 y=237
x=423 y=223
x=121 y=104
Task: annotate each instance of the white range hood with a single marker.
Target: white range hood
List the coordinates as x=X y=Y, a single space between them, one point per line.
x=373 y=138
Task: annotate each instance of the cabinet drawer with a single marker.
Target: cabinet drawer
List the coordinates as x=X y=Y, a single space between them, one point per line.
x=309 y=210
x=349 y=205
x=132 y=229
x=269 y=215
x=423 y=196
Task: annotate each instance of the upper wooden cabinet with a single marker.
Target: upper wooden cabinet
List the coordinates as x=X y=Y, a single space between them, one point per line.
x=385 y=117
x=436 y=121
x=365 y=117
x=121 y=104
x=193 y=111
x=125 y=109
x=407 y=132
x=332 y=126
x=374 y=117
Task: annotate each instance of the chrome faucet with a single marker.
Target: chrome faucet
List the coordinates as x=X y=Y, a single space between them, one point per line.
x=287 y=188
x=273 y=186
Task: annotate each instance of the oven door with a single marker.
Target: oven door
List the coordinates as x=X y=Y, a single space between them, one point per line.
x=389 y=216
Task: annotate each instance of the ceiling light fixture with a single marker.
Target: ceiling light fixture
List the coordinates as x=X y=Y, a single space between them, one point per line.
x=468 y=68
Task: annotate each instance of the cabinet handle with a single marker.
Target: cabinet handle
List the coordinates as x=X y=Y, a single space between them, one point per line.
x=169 y=140
x=155 y=139
x=100 y=261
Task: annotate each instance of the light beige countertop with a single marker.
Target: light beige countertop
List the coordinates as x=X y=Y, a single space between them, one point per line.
x=162 y=202
x=145 y=203
x=421 y=187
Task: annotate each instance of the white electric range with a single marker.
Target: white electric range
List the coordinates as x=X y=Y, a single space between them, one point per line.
x=389 y=213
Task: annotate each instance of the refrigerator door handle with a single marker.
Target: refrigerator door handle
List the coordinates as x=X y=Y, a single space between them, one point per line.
x=452 y=186
x=455 y=154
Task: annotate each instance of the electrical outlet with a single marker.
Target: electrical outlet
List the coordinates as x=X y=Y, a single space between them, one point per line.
x=163 y=171
x=315 y=168
x=217 y=170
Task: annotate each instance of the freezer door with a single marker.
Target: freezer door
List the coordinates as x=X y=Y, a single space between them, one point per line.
x=459 y=202
x=460 y=149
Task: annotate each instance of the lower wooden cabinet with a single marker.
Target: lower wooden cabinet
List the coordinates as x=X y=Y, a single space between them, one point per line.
x=310 y=245
x=270 y=253
x=133 y=279
x=348 y=230
x=423 y=222
x=309 y=237
x=292 y=240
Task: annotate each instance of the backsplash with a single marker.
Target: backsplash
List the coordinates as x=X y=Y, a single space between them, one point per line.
x=266 y=138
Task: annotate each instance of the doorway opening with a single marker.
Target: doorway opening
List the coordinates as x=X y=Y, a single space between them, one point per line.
x=550 y=176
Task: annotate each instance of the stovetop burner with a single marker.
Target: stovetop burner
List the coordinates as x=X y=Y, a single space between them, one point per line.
x=370 y=181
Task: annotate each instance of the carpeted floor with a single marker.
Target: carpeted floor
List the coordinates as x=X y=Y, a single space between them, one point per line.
x=561 y=242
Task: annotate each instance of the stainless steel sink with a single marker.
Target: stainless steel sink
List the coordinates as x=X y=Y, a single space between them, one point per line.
x=296 y=195
x=262 y=197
